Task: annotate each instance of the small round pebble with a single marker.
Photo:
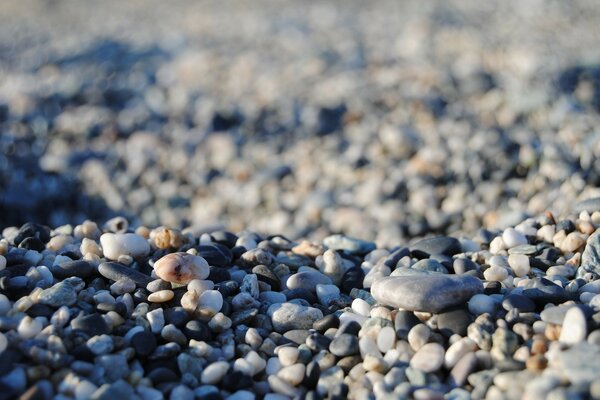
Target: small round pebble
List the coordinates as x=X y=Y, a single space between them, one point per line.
x=161 y=296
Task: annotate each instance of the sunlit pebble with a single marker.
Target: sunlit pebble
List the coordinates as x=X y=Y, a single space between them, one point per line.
x=181 y=268
x=161 y=296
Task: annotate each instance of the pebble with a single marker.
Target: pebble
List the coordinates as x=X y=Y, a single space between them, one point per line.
x=115 y=245
x=445 y=245
x=115 y=271
x=29 y=327
x=481 y=304
x=62 y=294
x=161 y=296
x=308 y=280
x=574 y=327
x=332 y=266
x=181 y=268
x=519 y=264
x=214 y=372
x=288 y=316
x=349 y=244
x=344 y=345
x=428 y=293
x=428 y=358
x=512 y=238
x=101 y=344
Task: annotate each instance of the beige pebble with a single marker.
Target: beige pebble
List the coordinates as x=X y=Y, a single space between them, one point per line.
x=167 y=238
x=573 y=242
x=161 y=296
x=309 y=249
x=90 y=246
x=181 y=268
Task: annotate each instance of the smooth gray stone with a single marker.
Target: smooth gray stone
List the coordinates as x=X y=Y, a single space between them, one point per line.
x=349 y=244
x=590 y=258
x=288 y=316
x=115 y=271
x=581 y=363
x=589 y=205
x=432 y=293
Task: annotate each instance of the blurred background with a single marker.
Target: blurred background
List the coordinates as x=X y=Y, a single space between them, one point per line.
x=386 y=120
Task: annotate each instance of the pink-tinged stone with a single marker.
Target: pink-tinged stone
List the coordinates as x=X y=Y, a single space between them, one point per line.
x=181 y=268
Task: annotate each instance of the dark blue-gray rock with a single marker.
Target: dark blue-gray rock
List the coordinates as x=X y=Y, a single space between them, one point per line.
x=264 y=274
x=161 y=375
x=590 y=258
x=236 y=380
x=79 y=268
x=115 y=366
x=143 y=343
x=93 y=324
x=396 y=255
x=580 y=364
x=215 y=254
x=225 y=238
x=436 y=245
x=349 y=244
x=176 y=316
x=117 y=390
x=197 y=330
x=589 y=205
x=464 y=265
x=404 y=322
x=42 y=390
x=32 y=230
x=189 y=364
x=115 y=271
x=352 y=279
x=516 y=301
x=63 y=293
x=454 y=322
x=542 y=291
x=327 y=322
x=32 y=243
x=428 y=293
x=344 y=345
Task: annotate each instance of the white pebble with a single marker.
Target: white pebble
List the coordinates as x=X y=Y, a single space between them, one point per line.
x=457 y=350
x=418 y=336
x=293 y=374
x=200 y=286
x=288 y=355
x=368 y=346
x=428 y=358
x=211 y=300
x=574 y=328
x=512 y=238
x=161 y=296
x=29 y=327
x=361 y=307
x=495 y=273
x=386 y=339
x=128 y=244
x=497 y=245
x=519 y=264
x=156 y=318
x=214 y=372
x=257 y=361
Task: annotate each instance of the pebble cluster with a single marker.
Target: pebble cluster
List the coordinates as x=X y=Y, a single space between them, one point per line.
x=89 y=312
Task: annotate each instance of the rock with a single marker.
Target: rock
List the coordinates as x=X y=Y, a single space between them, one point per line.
x=143 y=343
x=79 y=268
x=308 y=280
x=332 y=266
x=542 y=291
x=62 y=294
x=250 y=285
x=264 y=274
x=161 y=296
x=512 y=238
x=288 y=316
x=590 y=258
x=589 y=205
x=92 y=324
x=580 y=364
x=437 y=245
x=128 y=244
x=353 y=278
x=215 y=254
x=518 y=302
x=481 y=304
x=454 y=322
x=428 y=358
x=181 y=268
x=574 y=327
x=115 y=271
x=344 y=345
x=519 y=264
x=115 y=366
x=102 y=344
x=351 y=245
x=214 y=372
x=428 y=293
x=327 y=293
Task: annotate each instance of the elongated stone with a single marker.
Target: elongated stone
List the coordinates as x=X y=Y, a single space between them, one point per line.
x=428 y=293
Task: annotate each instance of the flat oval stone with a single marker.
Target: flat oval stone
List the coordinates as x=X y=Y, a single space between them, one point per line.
x=428 y=293
x=307 y=280
x=115 y=271
x=437 y=245
x=181 y=268
x=288 y=316
x=79 y=268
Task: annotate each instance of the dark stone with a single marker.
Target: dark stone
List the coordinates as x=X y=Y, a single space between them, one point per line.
x=264 y=274
x=215 y=254
x=462 y=265
x=32 y=243
x=317 y=342
x=225 y=238
x=327 y=322
x=80 y=268
x=143 y=343
x=162 y=375
x=117 y=390
x=312 y=395
x=237 y=252
x=197 y=330
x=93 y=324
x=42 y=390
x=347 y=363
x=350 y=327
x=157 y=285
x=31 y=230
x=228 y=288
x=492 y=287
x=176 y=316
x=344 y=345
x=437 y=245
x=454 y=322
x=8 y=359
x=519 y=302
x=236 y=380
x=392 y=260
x=40 y=310
x=565 y=225
x=300 y=293
x=542 y=291
x=404 y=322
x=115 y=271
x=218 y=275
x=244 y=317
x=352 y=278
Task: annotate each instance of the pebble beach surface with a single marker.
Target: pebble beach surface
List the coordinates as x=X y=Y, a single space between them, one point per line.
x=116 y=312
x=299 y=200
